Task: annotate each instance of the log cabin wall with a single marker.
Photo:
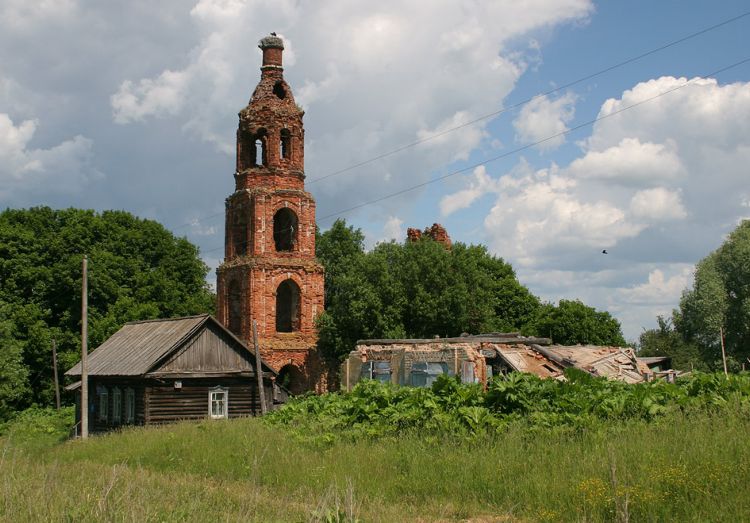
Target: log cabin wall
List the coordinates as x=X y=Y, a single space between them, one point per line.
x=165 y=403
x=100 y=384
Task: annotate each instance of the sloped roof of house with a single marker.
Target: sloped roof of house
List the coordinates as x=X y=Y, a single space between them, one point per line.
x=138 y=346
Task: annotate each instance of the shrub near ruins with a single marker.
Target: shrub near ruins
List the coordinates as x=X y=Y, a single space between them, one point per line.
x=374 y=409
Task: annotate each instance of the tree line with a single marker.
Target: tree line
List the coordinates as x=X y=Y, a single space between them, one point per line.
x=140 y=270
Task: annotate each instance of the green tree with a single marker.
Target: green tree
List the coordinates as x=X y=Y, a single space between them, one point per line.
x=413 y=289
x=720 y=300
x=354 y=305
x=137 y=270
x=14 y=385
x=665 y=340
x=572 y=322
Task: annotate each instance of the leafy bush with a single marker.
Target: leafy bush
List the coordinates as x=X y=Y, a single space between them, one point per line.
x=38 y=427
x=374 y=409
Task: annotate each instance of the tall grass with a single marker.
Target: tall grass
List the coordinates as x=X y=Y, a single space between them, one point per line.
x=680 y=467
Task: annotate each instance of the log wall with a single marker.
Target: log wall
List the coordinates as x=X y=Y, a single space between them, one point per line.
x=96 y=384
x=165 y=403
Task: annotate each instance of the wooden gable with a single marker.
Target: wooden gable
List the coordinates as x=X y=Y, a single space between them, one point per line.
x=211 y=351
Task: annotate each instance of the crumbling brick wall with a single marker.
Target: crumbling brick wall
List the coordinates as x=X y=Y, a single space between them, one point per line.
x=437 y=233
x=413 y=235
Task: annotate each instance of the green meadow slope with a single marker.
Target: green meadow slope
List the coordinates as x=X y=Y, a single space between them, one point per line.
x=685 y=464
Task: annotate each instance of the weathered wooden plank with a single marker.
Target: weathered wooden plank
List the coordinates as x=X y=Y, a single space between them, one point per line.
x=210 y=351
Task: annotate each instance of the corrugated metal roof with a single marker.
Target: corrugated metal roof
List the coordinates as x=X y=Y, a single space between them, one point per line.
x=135 y=348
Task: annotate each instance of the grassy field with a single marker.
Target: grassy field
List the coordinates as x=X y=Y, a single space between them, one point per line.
x=677 y=468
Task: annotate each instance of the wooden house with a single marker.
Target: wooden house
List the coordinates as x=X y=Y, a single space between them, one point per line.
x=159 y=371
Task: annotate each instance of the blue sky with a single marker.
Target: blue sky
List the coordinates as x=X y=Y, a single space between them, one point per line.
x=134 y=106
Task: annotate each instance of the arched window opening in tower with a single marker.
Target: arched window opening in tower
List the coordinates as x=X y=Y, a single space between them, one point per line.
x=260 y=155
x=279 y=91
x=285 y=226
x=234 y=295
x=286 y=144
x=239 y=232
x=287 y=307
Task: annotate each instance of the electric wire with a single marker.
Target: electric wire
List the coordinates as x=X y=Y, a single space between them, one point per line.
x=528 y=100
x=503 y=110
x=528 y=146
x=524 y=147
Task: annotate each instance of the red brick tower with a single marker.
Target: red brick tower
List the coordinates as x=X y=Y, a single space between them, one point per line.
x=270 y=273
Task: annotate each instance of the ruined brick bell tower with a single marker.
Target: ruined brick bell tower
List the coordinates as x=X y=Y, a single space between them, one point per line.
x=270 y=273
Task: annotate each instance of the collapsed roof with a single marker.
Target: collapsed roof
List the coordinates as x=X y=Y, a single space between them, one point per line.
x=513 y=352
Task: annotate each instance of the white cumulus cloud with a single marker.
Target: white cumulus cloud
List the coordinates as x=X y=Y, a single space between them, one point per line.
x=657 y=204
x=547 y=214
x=163 y=96
x=480 y=185
x=63 y=168
x=545 y=120
x=629 y=162
x=656 y=186
x=659 y=289
x=393 y=229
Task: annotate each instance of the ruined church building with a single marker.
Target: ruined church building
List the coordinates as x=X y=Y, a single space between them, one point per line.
x=270 y=275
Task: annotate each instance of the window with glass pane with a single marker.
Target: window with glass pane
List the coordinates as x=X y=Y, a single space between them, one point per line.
x=366 y=372
x=103 y=404
x=218 y=402
x=424 y=373
x=381 y=371
x=129 y=406
x=116 y=405
x=376 y=370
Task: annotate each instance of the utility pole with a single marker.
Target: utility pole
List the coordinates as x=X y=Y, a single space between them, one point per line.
x=54 y=368
x=723 y=352
x=259 y=370
x=84 y=352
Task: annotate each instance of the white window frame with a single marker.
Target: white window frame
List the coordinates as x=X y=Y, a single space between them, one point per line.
x=116 y=405
x=103 y=404
x=129 y=405
x=211 y=393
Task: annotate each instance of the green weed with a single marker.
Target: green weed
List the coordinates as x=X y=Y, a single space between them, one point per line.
x=689 y=462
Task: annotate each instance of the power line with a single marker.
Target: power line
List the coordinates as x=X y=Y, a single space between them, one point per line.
x=528 y=100
x=522 y=148
x=504 y=110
